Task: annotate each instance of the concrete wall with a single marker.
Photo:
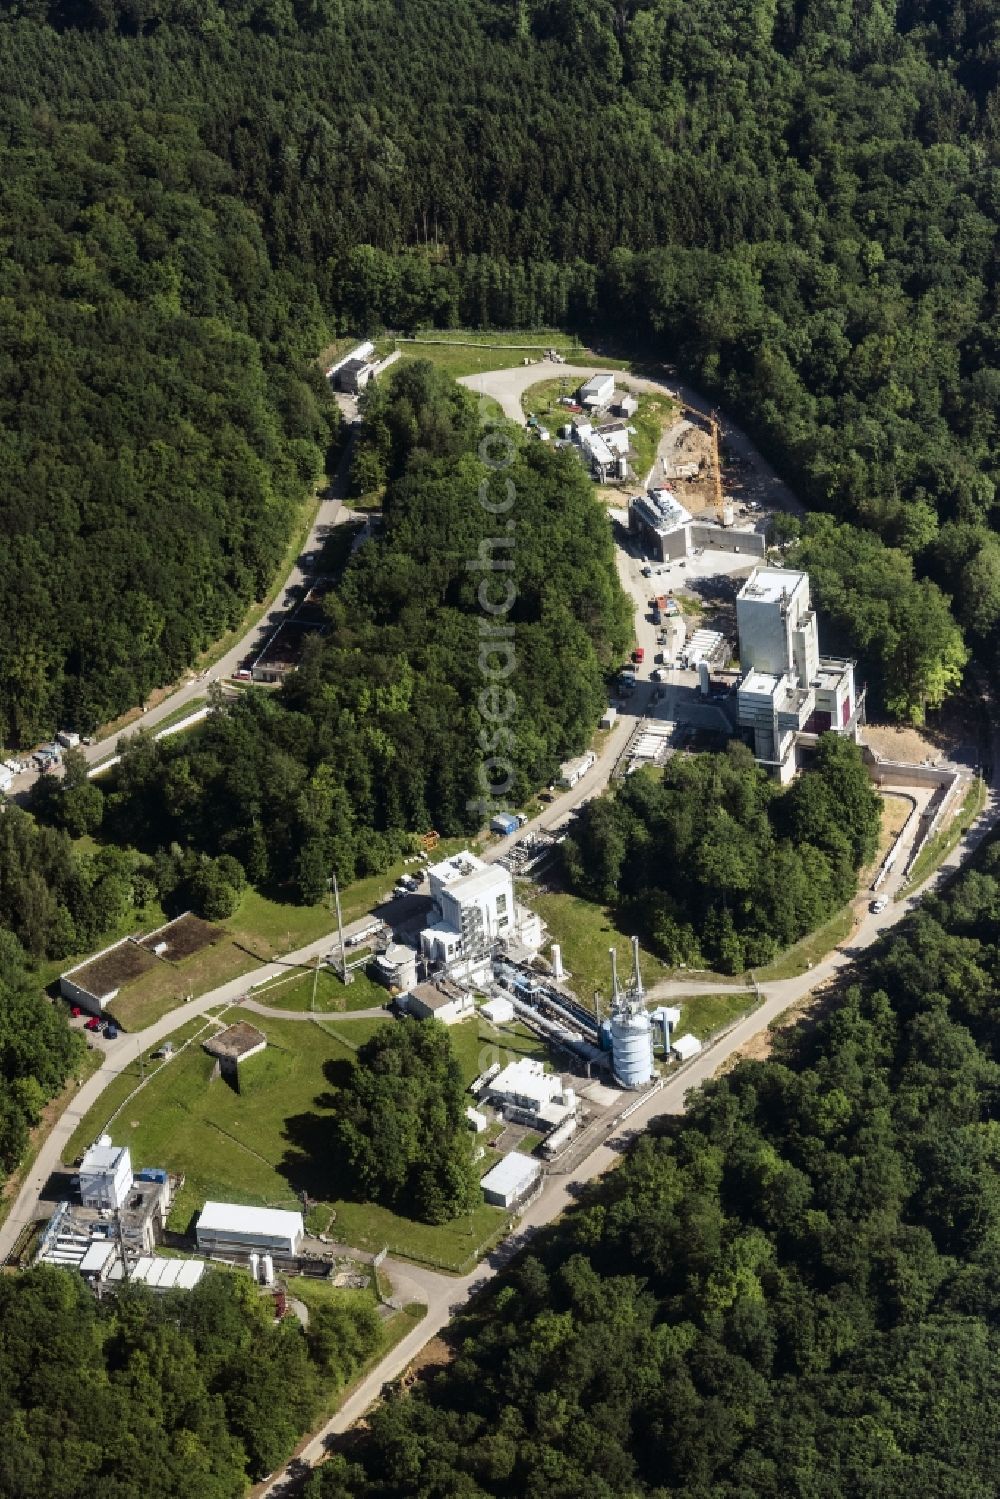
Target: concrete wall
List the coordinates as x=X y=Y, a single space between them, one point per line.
x=727 y=539
x=77 y=995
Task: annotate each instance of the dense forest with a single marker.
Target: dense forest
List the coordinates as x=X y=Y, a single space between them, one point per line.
x=791 y=1294
x=187 y=1395
x=160 y=421
x=401 y=718
x=37 y=1052
x=796 y=202
x=719 y=867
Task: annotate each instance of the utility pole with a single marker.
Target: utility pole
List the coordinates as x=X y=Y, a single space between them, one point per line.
x=315 y=983
x=340 y=930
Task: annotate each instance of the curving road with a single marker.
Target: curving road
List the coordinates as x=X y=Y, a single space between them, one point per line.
x=442 y=1294
x=332 y=512
x=507 y=387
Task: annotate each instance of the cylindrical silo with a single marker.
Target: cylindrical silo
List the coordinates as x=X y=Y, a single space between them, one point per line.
x=632 y=1048
x=254 y=1264
x=557 y=962
x=267 y=1270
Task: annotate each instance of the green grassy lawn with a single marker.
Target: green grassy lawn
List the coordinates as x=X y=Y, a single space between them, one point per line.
x=812 y=948
x=705 y=1014
x=479 y=1044
x=314 y=1292
x=585 y=932
x=461 y=352
x=654 y=416
x=261 y=930
x=937 y=849
x=332 y=995
x=542 y=400
x=272 y=1140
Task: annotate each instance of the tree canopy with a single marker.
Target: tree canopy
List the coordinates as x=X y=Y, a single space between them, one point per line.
x=188 y=1395
x=401 y=1124
x=439 y=681
x=790 y=1292
x=718 y=866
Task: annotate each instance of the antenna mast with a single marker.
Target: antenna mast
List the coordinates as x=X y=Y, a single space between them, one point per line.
x=340 y=929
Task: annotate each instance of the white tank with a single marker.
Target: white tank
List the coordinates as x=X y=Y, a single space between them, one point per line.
x=569 y=1098
x=254 y=1264
x=267 y=1270
x=557 y=964
x=632 y=1048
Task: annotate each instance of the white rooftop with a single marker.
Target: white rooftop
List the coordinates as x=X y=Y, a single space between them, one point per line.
x=101 y=1157
x=458 y=867
x=761 y=683
x=166 y=1274
x=514 y=1174
x=526 y=1078
x=233 y=1217
x=768 y=584
x=686 y=1046
x=97 y=1256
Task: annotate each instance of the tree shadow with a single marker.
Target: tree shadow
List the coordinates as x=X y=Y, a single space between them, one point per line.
x=312 y=1163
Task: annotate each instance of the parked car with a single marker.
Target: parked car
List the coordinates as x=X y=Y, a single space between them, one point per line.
x=878 y=904
x=639 y=655
x=111 y=1031
x=93 y=1024
x=76 y=1012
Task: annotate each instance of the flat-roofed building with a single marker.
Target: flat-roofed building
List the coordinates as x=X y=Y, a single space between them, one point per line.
x=511 y=1180
x=788 y=692
x=441 y=1000
x=105 y=1175
x=230 y=1226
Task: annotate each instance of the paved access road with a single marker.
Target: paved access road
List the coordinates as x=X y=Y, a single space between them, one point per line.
x=332 y=511
x=507 y=387
x=444 y=1295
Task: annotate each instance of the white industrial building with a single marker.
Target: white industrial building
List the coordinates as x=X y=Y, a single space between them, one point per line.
x=788 y=693
x=597 y=391
x=511 y=1180
x=162 y=1274
x=527 y=1094
x=475 y=906
x=441 y=1000
x=396 y=968
x=228 y=1226
x=105 y=1175
x=685 y=1047
x=661 y=522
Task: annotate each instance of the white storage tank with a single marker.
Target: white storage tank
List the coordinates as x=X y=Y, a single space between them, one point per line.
x=557 y=962
x=632 y=1048
x=267 y=1270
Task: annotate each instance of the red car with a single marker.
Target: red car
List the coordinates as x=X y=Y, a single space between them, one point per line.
x=639 y=655
x=93 y=1024
x=76 y=1012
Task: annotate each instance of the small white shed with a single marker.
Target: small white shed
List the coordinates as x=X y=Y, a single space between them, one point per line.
x=685 y=1047
x=511 y=1180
